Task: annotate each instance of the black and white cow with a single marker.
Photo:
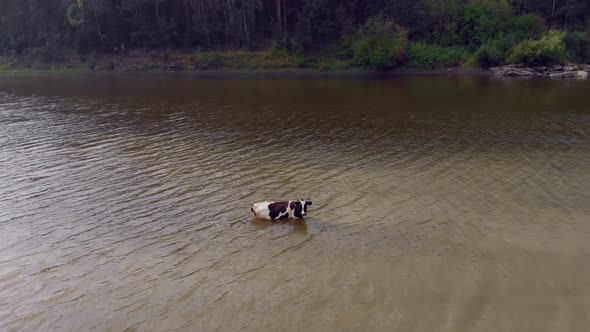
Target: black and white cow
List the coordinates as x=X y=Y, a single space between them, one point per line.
x=281 y=210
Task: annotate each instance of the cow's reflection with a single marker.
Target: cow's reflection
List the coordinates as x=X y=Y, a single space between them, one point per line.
x=298 y=226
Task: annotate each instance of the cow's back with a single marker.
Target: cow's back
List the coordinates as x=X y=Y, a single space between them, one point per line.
x=260 y=210
x=271 y=210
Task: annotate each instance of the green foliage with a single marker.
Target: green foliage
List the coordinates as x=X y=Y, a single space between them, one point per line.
x=524 y=27
x=315 y=24
x=207 y=60
x=430 y=56
x=242 y=59
x=578 y=46
x=300 y=61
x=548 y=50
x=295 y=47
x=51 y=53
x=332 y=66
x=345 y=51
x=449 y=35
x=379 y=44
x=489 y=55
x=361 y=33
x=278 y=51
x=494 y=52
x=484 y=19
x=109 y=65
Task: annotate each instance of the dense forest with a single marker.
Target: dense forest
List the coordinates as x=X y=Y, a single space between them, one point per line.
x=364 y=33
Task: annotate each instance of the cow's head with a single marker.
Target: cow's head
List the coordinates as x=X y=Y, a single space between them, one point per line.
x=299 y=207
x=305 y=203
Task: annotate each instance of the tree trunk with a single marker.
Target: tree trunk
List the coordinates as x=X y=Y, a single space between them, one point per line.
x=553 y=15
x=225 y=24
x=157 y=11
x=205 y=22
x=244 y=20
x=188 y=23
x=279 y=17
x=95 y=10
x=285 y=22
x=567 y=10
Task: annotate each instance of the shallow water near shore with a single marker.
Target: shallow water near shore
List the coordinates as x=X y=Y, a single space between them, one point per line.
x=441 y=203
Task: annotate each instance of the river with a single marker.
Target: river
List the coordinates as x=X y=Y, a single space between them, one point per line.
x=440 y=203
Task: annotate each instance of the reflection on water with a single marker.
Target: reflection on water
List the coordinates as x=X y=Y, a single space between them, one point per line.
x=440 y=203
x=294 y=226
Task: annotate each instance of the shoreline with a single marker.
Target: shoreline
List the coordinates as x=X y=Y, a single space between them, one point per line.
x=218 y=64
x=282 y=74
x=254 y=64
x=257 y=74
x=508 y=72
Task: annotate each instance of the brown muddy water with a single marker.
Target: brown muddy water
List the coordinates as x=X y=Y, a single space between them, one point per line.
x=440 y=204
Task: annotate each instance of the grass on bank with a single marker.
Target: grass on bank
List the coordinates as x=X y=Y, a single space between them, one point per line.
x=214 y=60
x=8 y=69
x=381 y=44
x=377 y=46
x=275 y=58
x=488 y=35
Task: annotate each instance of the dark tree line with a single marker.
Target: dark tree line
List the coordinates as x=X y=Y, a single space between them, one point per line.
x=306 y=25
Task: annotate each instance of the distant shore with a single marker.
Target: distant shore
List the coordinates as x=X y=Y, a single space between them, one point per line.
x=255 y=73
x=210 y=64
x=238 y=64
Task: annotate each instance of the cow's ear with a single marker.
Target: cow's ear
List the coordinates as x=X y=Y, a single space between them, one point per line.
x=309 y=202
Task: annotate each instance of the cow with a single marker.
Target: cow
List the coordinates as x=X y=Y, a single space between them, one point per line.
x=281 y=210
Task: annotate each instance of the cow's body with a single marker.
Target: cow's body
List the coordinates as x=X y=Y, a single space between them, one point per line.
x=280 y=210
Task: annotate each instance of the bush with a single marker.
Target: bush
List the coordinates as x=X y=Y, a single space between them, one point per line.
x=344 y=51
x=528 y=26
x=300 y=61
x=205 y=60
x=379 y=44
x=109 y=65
x=50 y=53
x=448 y=36
x=548 y=50
x=278 y=51
x=332 y=66
x=295 y=47
x=494 y=52
x=429 y=56
x=489 y=55
x=484 y=19
x=578 y=46
x=315 y=24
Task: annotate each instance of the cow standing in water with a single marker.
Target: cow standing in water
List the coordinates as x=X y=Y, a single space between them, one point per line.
x=281 y=210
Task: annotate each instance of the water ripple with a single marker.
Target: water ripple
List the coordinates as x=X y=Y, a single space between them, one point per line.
x=123 y=210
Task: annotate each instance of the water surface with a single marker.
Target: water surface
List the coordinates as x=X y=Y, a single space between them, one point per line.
x=440 y=204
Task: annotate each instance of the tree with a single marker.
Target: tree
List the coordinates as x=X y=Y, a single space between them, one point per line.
x=48 y=27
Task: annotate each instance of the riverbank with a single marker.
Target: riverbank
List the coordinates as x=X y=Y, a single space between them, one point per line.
x=263 y=64
x=234 y=64
x=254 y=73
x=557 y=71
x=175 y=61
